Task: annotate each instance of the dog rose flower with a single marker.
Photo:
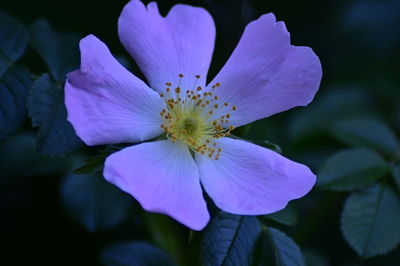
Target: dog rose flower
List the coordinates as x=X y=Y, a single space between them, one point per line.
x=265 y=75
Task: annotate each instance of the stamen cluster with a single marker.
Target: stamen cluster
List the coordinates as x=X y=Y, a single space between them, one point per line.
x=193 y=116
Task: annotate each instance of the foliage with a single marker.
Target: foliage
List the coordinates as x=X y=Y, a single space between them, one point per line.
x=54 y=198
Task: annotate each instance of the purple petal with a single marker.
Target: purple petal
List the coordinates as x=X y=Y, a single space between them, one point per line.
x=250 y=180
x=163 y=177
x=266 y=74
x=180 y=43
x=107 y=104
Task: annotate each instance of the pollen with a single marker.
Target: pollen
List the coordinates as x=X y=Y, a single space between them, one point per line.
x=195 y=118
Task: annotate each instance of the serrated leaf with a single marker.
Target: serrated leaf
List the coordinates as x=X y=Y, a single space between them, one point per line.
x=287 y=216
x=134 y=254
x=287 y=253
x=14 y=89
x=352 y=169
x=368 y=133
x=371 y=221
x=60 y=51
x=230 y=240
x=47 y=111
x=13 y=41
x=94 y=203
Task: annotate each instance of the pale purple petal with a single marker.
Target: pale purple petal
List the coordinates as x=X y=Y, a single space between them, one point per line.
x=163 y=177
x=107 y=104
x=266 y=74
x=164 y=47
x=250 y=180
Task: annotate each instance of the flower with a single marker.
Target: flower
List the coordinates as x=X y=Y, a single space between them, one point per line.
x=265 y=75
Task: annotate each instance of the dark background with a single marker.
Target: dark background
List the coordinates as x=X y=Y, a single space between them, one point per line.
x=358 y=43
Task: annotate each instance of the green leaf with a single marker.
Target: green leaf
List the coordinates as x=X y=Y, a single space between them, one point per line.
x=371 y=221
x=352 y=169
x=230 y=240
x=368 y=133
x=287 y=253
x=287 y=216
x=14 y=90
x=94 y=203
x=13 y=41
x=134 y=254
x=47 y=111
x=60 y=51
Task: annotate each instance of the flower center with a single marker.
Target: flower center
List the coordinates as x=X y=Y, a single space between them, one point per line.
x=195 y=118
x=189 y=126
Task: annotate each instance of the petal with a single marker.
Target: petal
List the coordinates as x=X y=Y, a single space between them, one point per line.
x=107 y=104
x=163 y=177
x=266 y=74
x=250 y=180
x=164 y=47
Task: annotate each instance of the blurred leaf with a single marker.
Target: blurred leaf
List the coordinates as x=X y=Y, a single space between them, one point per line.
x=287 y=216
x=47 y=111
x=92 y=165
x=165 y=234
x=269 y=145
x=264 y=143
x=134 y=254
x=396 y=175
x=366 y=132
x=94 y=203
x=60 y=51
x=230 y=240
x=13 y=40
x=19 y=159
x=352 y=169
x=330 y=107
x=14 y=90
x=314 y=258
x=242 y=131
x=264 y=253
x=287 y=253
x=371 y=221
